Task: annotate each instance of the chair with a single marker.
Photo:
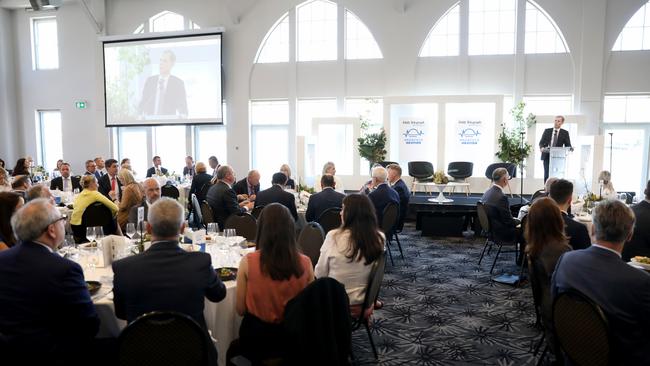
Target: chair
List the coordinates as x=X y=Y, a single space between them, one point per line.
x=168 y=190
x=581 y=329
x=310 y=241
x=196 y=211
x=388 y=223
x=485 y=228
x=421 y=171
x=244 y=224
x=257 y=211
x=97 y=214
x=164 y=338
x=206 y=213
x=540 y=286
x=386 y=163
x=539 y=193
x=492 y=215
x=460 y=171
x=330 y=219
x=372 y=293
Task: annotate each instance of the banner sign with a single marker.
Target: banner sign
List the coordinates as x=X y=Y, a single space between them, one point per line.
x=469 y=132
x=415 y=139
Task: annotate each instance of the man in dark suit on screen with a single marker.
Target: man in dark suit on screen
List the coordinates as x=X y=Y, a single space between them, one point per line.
x=164 y=94
x=553 y=137
x=325 y=199
x=223 y=199
x=277 y=194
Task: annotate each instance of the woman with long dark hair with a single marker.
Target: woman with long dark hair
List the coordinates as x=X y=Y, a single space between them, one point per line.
x=348 y=252
x=20 y=168
x=9 y=203
x=544 y=233
x=267 y=279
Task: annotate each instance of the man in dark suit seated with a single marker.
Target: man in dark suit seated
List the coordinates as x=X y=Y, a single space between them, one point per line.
x=223 y=199
x=323 y=200
x=622 y=291
x=640 y=242
x=65 y=182
x=382 y=194
x=553 y=137
x=21 y=185
x=503 y=224
x=561 y=192
x=151 y=195
x=277 y=194
x=47 y=315
x=156 y=169
x=248 y=187
x=91 y=169
x=396 y=182
x=108 y=184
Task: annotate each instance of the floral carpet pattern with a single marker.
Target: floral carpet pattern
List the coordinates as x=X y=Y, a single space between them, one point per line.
x=442 y=308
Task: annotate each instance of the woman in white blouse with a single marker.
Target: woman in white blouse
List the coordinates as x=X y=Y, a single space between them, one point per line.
x=349 y=251
x=607 y=190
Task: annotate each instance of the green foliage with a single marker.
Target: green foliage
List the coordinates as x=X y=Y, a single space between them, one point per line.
x=372 y=146
x=302 y=187
x=513 y=147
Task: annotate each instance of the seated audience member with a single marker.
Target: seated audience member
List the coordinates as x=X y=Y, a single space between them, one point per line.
x=157 y=168
x=126 y=164
x=640 y=242
x=267 y=279
x=562 y=193
x=396 y=182
x=132 y=196
x=165 y=277
x=200 y=179
x=4 y=181
x=57 y=171
x=503 y=224
x=108 y=184
x=607 y=190
x=523 y=211
x=2 y=164
x=87 y=197
x=277 y=194
x=329 y=169
x=151 y=195
x=214 y=165
x=223 y=199
x=21 y=185
x=91 y=169
x=348 y=252
x=189 y=169
x=47 y=315
x=66 y=182
x=9 y=203
x=382 y=194
x=621 y=291
x=286 y=169
x=323 y=200
x=101 y=167
x=39 y=191
x=248 y=187
x=22 y=167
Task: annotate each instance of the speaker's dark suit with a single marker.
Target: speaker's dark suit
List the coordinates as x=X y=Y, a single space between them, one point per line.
x=152 y=171
x=223 y=201
x=165 y=277
x=563 y=139
x=57 y=183
x=172 y=102
x=404 y=197
x=622 y=291
x=104 y=185
x=498 y=207
x=276 y=194
x=578 y=234
x=321 y=201
x=640 y=243
x=241 y=187
x=46 y=312
x=381 y=197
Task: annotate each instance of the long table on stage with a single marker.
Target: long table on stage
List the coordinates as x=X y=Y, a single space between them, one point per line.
x=450 y=219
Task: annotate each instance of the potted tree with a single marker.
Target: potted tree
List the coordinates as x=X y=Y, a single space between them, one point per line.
x=513 y=147
x=372 y=145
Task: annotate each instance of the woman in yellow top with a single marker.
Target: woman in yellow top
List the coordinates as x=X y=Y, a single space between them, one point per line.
x=87 y=197
x=132 y=195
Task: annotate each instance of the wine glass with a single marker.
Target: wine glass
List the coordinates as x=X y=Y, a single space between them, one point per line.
x=130 y=230
x=213 y=230
x=90 y=233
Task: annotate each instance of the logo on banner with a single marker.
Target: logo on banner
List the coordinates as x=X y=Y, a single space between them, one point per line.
x=414 y=133
x=469 y=132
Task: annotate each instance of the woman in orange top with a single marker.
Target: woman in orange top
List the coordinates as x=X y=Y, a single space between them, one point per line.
x=267 y=279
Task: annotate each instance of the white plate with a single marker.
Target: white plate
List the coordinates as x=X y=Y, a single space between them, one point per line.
x=639 y=265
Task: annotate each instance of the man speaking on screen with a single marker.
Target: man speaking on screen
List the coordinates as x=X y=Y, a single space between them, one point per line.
x=164 y=94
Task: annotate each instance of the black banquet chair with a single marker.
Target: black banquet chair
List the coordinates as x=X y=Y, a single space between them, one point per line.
x=206 y=213
x=420 y=171
x=244 y=224
x=330 y=219
x=97 y=214
x=388 y=224
x=497 y=240
x=196 y=212
x=386 y=163
x=257 y=211
x=311 y=240
x=460 y=171
x=165 y=338
x=168 y=190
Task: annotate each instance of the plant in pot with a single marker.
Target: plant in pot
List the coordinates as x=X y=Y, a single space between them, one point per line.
x=372 y=145
x=513 y=147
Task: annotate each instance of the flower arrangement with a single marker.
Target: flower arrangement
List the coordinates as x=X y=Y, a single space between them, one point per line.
x=304 y=188
x=439 y=177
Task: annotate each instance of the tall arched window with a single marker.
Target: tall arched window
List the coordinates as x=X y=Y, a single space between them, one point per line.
x=542 y=35
x=443 y=39
x=275 y=47
x=636 y=33
x=359 y=42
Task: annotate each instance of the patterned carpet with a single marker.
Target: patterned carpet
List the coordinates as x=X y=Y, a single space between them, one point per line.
x=441 y=308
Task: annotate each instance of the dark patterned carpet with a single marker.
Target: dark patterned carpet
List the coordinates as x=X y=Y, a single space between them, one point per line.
x=441 y=308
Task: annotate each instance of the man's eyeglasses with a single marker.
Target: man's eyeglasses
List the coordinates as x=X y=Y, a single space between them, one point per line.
x=63 y=217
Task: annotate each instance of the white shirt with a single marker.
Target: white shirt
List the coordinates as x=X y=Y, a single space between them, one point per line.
x=67 y=184
x=496 y=185
x=334 y=263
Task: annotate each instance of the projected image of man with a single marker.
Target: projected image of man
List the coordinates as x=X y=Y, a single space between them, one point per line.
x=164 y=94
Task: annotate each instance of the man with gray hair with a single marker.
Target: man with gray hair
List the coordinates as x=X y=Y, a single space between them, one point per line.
x=382 y=194
x=165 y=277
x=223 y=199
x=47 y=315
x=496 y=202
x=39 y=191
x=151 y=195
x=621 y=291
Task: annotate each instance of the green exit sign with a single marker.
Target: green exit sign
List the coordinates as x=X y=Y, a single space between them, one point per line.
x=81 y=104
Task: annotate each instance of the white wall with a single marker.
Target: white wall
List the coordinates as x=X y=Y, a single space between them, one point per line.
x=9 y=128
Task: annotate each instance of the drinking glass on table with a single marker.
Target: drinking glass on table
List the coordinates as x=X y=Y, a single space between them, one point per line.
x=99 y=235
x=90 y=233
x=130 y=230
x=213 y=230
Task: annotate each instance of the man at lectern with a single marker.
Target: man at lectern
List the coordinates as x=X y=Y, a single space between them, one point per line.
x=553 y=137
x=164 y=94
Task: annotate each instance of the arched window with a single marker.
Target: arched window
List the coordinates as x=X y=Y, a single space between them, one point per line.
x=359 y=42
x=636 y=33
x=166 y=21
x=444 y=37
x=275 y=47
x=491 y=27
x=317 y=31
x=542 y=35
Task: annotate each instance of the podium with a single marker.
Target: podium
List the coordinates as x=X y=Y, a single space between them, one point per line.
x=557 y=166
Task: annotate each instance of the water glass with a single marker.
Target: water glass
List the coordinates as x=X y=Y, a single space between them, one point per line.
x=90 y=233
x=130 y=230
x=213 y=230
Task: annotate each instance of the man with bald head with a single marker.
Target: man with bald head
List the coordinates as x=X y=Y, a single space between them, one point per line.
x=151 y=195
x=248 y=187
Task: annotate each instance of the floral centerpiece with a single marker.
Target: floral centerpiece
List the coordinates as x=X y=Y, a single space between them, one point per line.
x=439 y=177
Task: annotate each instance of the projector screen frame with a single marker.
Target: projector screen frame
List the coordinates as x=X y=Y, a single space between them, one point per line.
x=158 y=36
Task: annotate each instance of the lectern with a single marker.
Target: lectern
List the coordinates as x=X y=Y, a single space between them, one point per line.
x=558 y=161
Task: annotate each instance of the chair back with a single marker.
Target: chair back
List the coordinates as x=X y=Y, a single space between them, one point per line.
x=97 y=214
x=244 y=224
x=420 y=169
x=540 y=285
x=203 y=191
x=257 y=211
x=389 y=220
x=538 y=194
x=374 y=282
x=311 y=240
x=581 y=329
x=206 y=213
x=196 y=211
x=460 y=169
x=168 y=190
x=386 y=163
x=483 y=218
x=330 y=219
x=511 y=168
x=163 y=338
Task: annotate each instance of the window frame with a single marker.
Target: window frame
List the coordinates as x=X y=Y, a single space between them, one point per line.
x=35 y=44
